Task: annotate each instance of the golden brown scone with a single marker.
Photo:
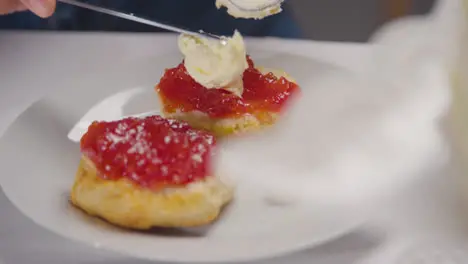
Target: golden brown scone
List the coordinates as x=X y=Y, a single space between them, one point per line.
x=277 y=72
x=225 y=126
x=229 y=126
x=125 y=204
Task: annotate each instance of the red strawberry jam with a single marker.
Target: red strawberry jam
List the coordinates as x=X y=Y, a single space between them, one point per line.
x=151 y=151
x=262 y=93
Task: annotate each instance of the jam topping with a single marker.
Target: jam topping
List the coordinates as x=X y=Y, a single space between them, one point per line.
x=151 y=151
x=262 y=92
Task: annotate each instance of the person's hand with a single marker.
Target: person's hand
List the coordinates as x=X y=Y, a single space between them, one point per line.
x=42 y=8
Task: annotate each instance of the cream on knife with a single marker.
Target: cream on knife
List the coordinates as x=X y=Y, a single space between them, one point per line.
x=256 y=9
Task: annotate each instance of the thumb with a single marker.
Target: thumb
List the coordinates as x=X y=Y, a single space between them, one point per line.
x=42 y=8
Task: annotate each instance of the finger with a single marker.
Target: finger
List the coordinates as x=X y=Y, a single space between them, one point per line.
x=11 y=6
x=42 y=8
x=20 y=8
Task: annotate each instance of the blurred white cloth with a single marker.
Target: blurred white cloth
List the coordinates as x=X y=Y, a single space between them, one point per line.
x=359 y=140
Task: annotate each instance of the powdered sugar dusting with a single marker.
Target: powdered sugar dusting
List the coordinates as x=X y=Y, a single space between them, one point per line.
x=115 y=138
x=149 y=150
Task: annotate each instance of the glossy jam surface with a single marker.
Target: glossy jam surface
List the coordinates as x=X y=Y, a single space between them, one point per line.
x=262 y=92
x=150 y=151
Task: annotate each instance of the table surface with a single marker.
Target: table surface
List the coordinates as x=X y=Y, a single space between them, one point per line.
x=426 y=217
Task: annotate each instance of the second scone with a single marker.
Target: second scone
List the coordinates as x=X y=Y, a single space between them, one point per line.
x=266 y=94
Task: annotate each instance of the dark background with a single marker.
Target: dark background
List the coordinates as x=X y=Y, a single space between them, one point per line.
x=351 y=20
x=332 y=20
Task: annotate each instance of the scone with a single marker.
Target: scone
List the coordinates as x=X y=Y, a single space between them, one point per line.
x=265 y=95
x=149 y=172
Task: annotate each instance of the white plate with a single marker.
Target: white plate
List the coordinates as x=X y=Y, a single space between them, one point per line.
x=42 y=163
